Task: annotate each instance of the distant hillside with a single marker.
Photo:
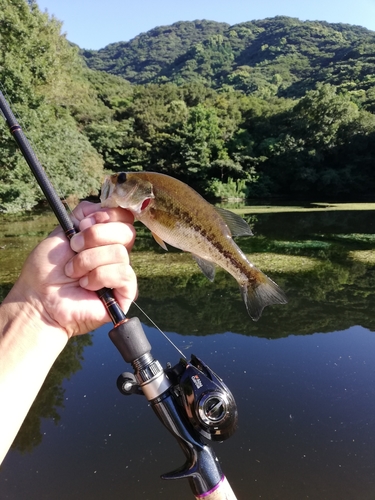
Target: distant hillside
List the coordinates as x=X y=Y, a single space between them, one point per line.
x=148 y=55
x=281 y=56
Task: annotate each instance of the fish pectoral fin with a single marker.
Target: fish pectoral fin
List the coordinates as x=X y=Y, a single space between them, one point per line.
x=264 y=294
x=160 y=241
x=207 y=267
x=236 y=224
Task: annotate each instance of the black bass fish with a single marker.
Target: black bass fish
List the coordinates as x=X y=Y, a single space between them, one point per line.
x=179 y=216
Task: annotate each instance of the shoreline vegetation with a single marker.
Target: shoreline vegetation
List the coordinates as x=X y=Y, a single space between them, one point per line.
x=324 y=260
x=19 y=233
x=313 y=207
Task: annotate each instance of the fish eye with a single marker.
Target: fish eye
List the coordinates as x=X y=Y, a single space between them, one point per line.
x=121 y=178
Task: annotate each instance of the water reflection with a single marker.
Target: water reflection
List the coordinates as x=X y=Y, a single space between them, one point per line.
x=50 y=400
x=306 y=428
x=328 y=283
x=303 y=377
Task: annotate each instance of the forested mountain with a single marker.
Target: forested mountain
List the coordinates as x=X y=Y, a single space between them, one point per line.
x=268 y=108
x=281 y=56
x=149 y=55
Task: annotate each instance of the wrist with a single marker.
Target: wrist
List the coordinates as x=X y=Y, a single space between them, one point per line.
x=24 y=319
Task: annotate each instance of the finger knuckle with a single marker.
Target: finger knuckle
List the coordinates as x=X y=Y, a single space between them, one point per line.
x=120 y=253
x=98 y=276
x=82 y=261
x=93 y=235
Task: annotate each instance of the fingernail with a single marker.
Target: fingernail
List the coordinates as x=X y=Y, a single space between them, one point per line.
x=84 y=281
x=69 y=268
x=77 y=242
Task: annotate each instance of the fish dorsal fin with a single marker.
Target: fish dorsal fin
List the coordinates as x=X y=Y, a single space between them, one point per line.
x=160 y=241
x=236 y=224
x=207 y=267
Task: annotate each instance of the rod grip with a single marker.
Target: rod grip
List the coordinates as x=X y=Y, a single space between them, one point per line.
x=130 y=339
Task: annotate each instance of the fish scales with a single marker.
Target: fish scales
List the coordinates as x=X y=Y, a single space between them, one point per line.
x=200 y=228
x=179 y=216
x=194 y=224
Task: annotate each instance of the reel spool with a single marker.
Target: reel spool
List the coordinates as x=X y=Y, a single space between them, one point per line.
x=208 y=403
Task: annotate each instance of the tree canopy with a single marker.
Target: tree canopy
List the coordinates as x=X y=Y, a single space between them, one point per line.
x=277 y=107
x=279 y=56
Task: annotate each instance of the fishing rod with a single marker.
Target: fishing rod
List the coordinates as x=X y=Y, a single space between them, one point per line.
x=191 y=401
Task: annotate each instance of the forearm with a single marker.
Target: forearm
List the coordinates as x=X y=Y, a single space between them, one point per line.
x=28 y=348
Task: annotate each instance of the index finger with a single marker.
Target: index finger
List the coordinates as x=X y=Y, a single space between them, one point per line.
x=96 y=214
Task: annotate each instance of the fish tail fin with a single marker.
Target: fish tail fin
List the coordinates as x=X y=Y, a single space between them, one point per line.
x=263 y=294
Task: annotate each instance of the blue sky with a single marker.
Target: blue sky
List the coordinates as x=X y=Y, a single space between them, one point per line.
x=93 y=24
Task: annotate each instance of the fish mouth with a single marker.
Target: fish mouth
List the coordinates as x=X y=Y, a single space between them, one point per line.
x=131 y=199
x=110 y=196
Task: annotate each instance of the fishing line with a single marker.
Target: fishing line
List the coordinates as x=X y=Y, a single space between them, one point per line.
x=161 y=331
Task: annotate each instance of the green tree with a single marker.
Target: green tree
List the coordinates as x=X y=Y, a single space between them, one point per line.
x=39 y=71
x=321 y=113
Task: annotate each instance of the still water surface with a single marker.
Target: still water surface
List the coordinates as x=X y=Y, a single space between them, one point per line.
x=303 y=378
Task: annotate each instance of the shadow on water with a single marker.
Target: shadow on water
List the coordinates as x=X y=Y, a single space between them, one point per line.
x=325 y=261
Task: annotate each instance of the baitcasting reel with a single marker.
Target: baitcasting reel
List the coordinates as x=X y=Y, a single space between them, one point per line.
x=208 y=404
x=190 y=400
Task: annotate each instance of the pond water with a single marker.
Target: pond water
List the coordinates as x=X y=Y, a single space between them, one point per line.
x=303 y=376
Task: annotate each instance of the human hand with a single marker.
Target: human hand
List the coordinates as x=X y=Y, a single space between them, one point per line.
x=60 y=285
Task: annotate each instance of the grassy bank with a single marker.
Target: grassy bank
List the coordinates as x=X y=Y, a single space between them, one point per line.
x=313 y=207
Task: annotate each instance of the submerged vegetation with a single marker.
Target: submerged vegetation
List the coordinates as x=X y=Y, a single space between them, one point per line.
x=275 y=107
